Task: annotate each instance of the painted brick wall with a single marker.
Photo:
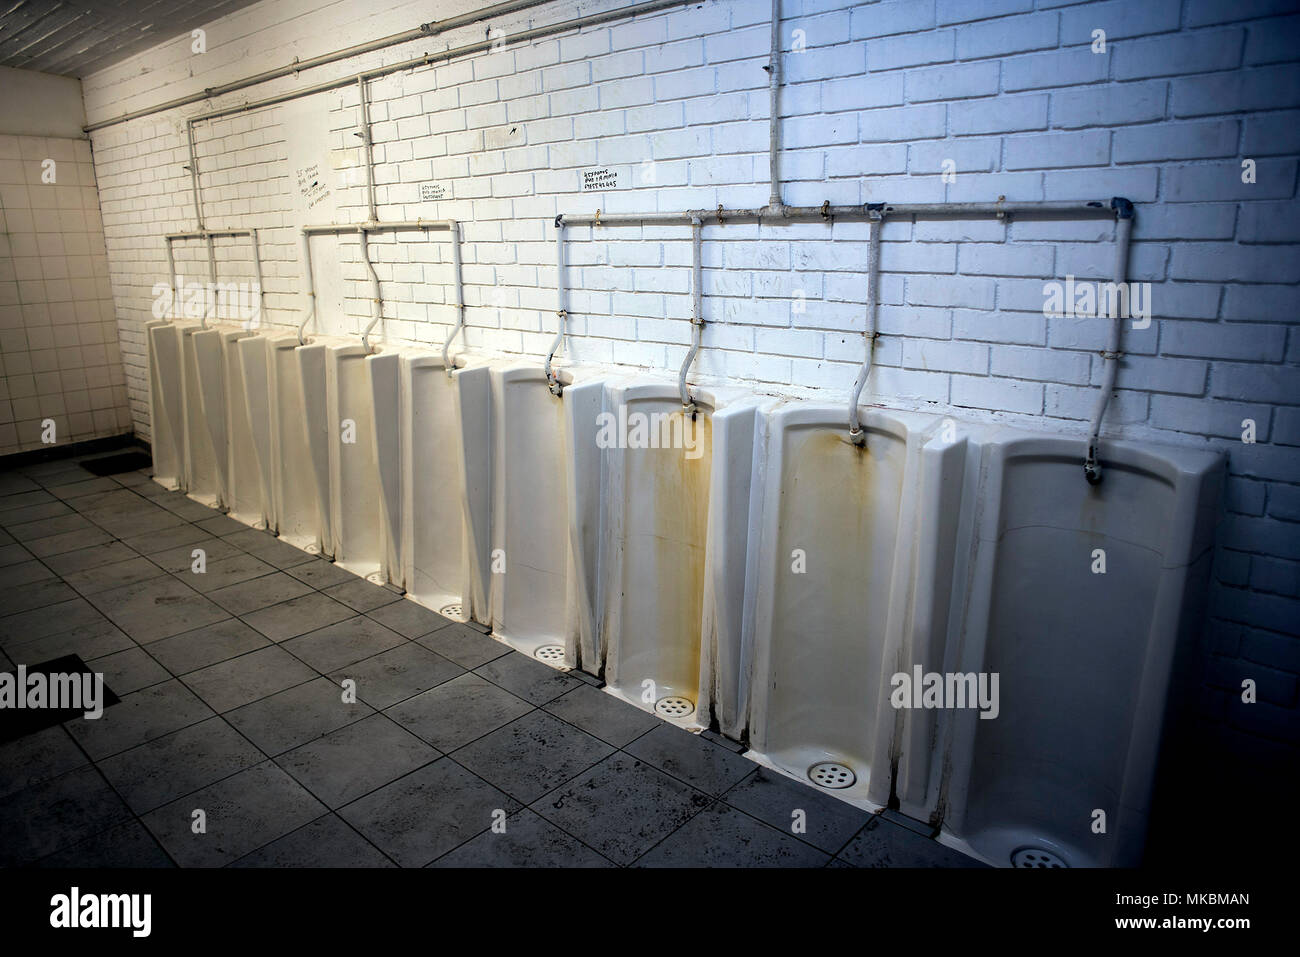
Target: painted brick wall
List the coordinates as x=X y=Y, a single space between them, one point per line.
x=878 y=98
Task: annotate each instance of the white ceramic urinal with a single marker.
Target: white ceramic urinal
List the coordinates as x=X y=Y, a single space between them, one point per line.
x=166 y=403
x=388 y=412
x=244 y=496
x=659 y=460
x=845 y=577
x=533 y=573
x=1062 y=776
x=356 y=517
x=205 y=424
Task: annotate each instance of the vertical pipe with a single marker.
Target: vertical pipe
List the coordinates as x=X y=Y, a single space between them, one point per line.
x=458 y=288
x=194 y=175
x=367 y=146
x=1111 y=357
x=774 y=86
x=309 y=282
x=561 y=311
x=856 y=435
x=172 y=278
x=376 y=301
x=210 y=298
x=697 y=314
x=257 y=271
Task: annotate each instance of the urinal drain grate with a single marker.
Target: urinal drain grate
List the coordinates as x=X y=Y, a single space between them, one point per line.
x=451 y=611
x=829 y=774
x=550 y=653
x=674 y=706
x=1036 y=857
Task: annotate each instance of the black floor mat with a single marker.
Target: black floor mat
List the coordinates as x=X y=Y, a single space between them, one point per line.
x=17 y=722
x=117 y=464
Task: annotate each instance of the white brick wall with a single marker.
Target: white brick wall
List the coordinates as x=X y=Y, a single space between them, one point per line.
x=1010 y=90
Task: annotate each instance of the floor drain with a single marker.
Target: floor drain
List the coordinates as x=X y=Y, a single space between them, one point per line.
x=674 y=706
x=1036 y=857
x=828 y=774
x=451 y=611
x=550 y=653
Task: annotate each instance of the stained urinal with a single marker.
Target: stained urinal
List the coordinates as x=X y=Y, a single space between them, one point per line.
x=353 y=488
x=244 y=494
x=538 y=583
x=435 y=540
x=655 y=562
x=850 y=578
x=166 y=403
x=205 y=425
x=1085 y=601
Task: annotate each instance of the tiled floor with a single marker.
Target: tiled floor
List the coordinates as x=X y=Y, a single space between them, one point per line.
x=233 y=704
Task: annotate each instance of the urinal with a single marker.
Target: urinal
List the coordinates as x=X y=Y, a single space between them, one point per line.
x=166 y=403
x=852 y=589
x=244 y=494
x=655 y=561
x=1079 y=598
x=285 y=398
x=353 y=489
x=436 y=558
x=205 y=419
x=538 y=601
x=388 y=426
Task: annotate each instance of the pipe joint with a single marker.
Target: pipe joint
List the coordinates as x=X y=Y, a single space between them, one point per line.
x=1123 y=207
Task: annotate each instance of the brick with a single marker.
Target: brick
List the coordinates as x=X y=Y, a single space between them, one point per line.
x=952 y=81
x=1176 y=141
x=1038 y=71
x=914 y=50
x=1172 y=55
x=998 y=395
x=1002 y=114
x=1109 y=105
x=1058 y=150
x=1274 y=179
x=1012 y=35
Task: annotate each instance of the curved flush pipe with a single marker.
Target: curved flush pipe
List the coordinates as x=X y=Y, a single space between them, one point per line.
x=697 y=315
x=376 y=300
x=460 y=298
x=311 y=288
x=171 y=277
x=561 y=297
x=1110 y=358
x=856 y=435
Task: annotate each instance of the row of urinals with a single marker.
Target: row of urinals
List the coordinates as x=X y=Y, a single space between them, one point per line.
x=760 y=575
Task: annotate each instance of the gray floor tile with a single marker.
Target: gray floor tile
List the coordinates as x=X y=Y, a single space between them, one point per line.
x=136 y=520
x=297 y=617
x=701 y=764
x=32 y=516
x=239 y=681
x=68 y=542
x=35 y=595
x=76 y=561
x=224 y=572
x=396 y=675
x=622 y=807
x=361 y=595
x=527 y=678
x=180 y=559
x=430 y=811
x=458 y=711
x=86 y=487
x=346 y=642
x=23 y=573
x=91 y=581
x=125 y=845
x=774 y=798
x=528 y=841
x=602 y=714
x=409 y=619
x=243 y=812
x=166 y=768
x=139 y=717
x=249 y=596
x=54 y=814
x=168 y=540
x=13 y=483
x=882 y=844
x=320 y=574
x=94 y=640
x=29 y=625
x=208 y=645
x=128 y=670
x=13 y=553
x=723 y=837
x=193 y=512
x=463 y=645
x=532 y=755
x=326 y=842
x=37 y=757
x=268 y=548
x=158 y=608
x=296 y=716
x=356 y=759
x=220 y=525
